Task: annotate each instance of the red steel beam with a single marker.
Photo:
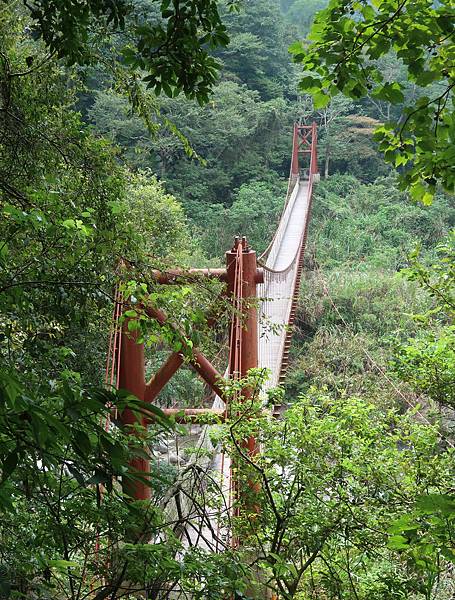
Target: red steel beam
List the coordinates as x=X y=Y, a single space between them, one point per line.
x=249 y=341
x=295 y=152
x=199 y=363
x=168 y=369
x=162 y=376
x=314 y=151
x=249 y=357
x=249 y=319
x=175 y=276
x=132 y=378
x=184 y=415
x=178 y=276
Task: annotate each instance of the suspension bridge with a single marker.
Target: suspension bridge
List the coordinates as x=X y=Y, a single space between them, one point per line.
x=263 y=292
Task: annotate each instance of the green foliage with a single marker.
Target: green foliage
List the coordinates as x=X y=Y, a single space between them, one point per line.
x=59 y=187
x=439 y=278
x=427 y=361
x=425 y=537
x=346 y=42
x=69 y=214
x=373 y=224
x=235 y=118
x=57 y=460
x=254 y=213
x=301 y=13
x=247 y=112
x=112 y=118
x=63 y=431
x=347 y=325
x=159 y=219
x=169 y=43
x=353 y=319
x=353 y=150
x=337 y=474
x=373 y=302
x=356 y=311
x=257 y=53
x=238 y=120
x=332 y=475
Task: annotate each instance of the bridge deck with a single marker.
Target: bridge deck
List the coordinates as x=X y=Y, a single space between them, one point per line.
x=294 y=231
x=278 y=289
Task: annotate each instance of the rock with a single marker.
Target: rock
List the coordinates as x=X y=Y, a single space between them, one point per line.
x=176 y=460
x=161 y=448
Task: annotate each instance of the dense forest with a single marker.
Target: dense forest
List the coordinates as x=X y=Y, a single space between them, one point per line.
x=142 y=136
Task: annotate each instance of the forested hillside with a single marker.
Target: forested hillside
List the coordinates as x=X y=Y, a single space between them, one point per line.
x=142 y=136
x=251 y=112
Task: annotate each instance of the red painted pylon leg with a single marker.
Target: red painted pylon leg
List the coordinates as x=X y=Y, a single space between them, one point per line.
x=243 y=342
x=132 y=378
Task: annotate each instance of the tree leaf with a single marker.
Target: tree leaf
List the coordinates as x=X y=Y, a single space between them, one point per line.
x=9 y=464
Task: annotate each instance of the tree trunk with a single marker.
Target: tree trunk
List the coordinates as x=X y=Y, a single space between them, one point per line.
x=327 y=160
